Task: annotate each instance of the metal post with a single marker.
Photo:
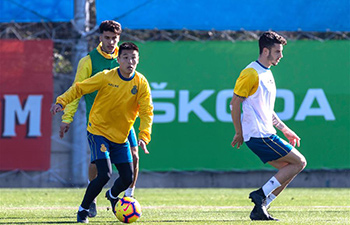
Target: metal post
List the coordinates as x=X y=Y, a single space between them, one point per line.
x=80 y=148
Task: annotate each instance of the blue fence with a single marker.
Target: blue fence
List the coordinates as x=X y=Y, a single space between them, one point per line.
x=36 y=10
x=292 y=15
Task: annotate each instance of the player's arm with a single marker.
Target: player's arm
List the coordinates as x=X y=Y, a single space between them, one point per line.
x=236 y=119
x=84 y=71
x=288 y=133
x=79 y=89
x=246 y=85
x=145 y=114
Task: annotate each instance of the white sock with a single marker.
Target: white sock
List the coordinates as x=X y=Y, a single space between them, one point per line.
x=110 y=194
x=81 y=209
x=270 y=185
x=129 y=192
x=269 y=199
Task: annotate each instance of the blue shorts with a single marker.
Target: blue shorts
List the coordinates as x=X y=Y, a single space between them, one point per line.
x=132 y=138
x=270 y=148
x=102 y=148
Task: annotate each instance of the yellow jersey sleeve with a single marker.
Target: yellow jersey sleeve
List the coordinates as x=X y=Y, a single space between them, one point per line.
x=145 y=112
x=84 y=71
x=81 y=88
x=247 y=83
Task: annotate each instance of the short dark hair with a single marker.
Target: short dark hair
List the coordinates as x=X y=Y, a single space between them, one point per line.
x=112 y=26
x=269 y=38
x=127 y=46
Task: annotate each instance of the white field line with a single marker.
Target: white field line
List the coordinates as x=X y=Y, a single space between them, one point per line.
x=172 y=207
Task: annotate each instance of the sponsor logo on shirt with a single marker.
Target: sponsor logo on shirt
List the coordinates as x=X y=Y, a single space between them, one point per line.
x=113 y=85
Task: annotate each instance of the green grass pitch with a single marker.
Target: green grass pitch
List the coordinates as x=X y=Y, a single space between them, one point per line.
x=178 y=206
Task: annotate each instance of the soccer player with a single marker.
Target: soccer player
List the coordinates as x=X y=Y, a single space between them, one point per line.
x=104 y=56
x=255 y=89
x=123 y=93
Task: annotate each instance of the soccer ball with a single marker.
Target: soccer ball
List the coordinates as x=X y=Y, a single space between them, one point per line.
x=128 y=210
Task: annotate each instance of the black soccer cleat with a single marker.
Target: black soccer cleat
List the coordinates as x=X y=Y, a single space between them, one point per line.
x=112 y=200
x=82 y=216
x=259 y=211
x=92 y=210
x=254 y=215
x=258 y=197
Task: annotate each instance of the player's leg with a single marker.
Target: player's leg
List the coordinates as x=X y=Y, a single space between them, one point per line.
x=121 y=183
x=92 y=175
x=124 y=180
x=100 y=155
x=121 y=157
x=104 y=168
x=288 y=167
x=267 y=149
x=129 y=192
x=271 y=197
x=92 y=171
x=282 y=156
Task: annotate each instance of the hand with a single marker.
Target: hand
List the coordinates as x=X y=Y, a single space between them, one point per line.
x=64 y=127
x=291 y=136
x=55 y=109
x=143 y=145
x=237 y=139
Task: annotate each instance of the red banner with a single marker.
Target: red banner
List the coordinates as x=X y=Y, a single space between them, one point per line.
x=26 y=89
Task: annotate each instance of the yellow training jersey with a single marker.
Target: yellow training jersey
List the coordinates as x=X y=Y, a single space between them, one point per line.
x=118 y=102
x=247 y=83
x=84 y=71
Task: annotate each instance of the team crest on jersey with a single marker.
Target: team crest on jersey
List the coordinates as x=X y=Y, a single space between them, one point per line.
x=134 y=90
x=103 y=148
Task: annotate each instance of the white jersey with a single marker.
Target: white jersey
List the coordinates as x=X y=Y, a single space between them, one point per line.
x=258 y=87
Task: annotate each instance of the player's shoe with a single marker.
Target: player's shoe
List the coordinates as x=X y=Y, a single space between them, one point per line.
x=254 y=215
x=112 y=200
x=92 y=210
x=259 y=211
x=82 y=216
